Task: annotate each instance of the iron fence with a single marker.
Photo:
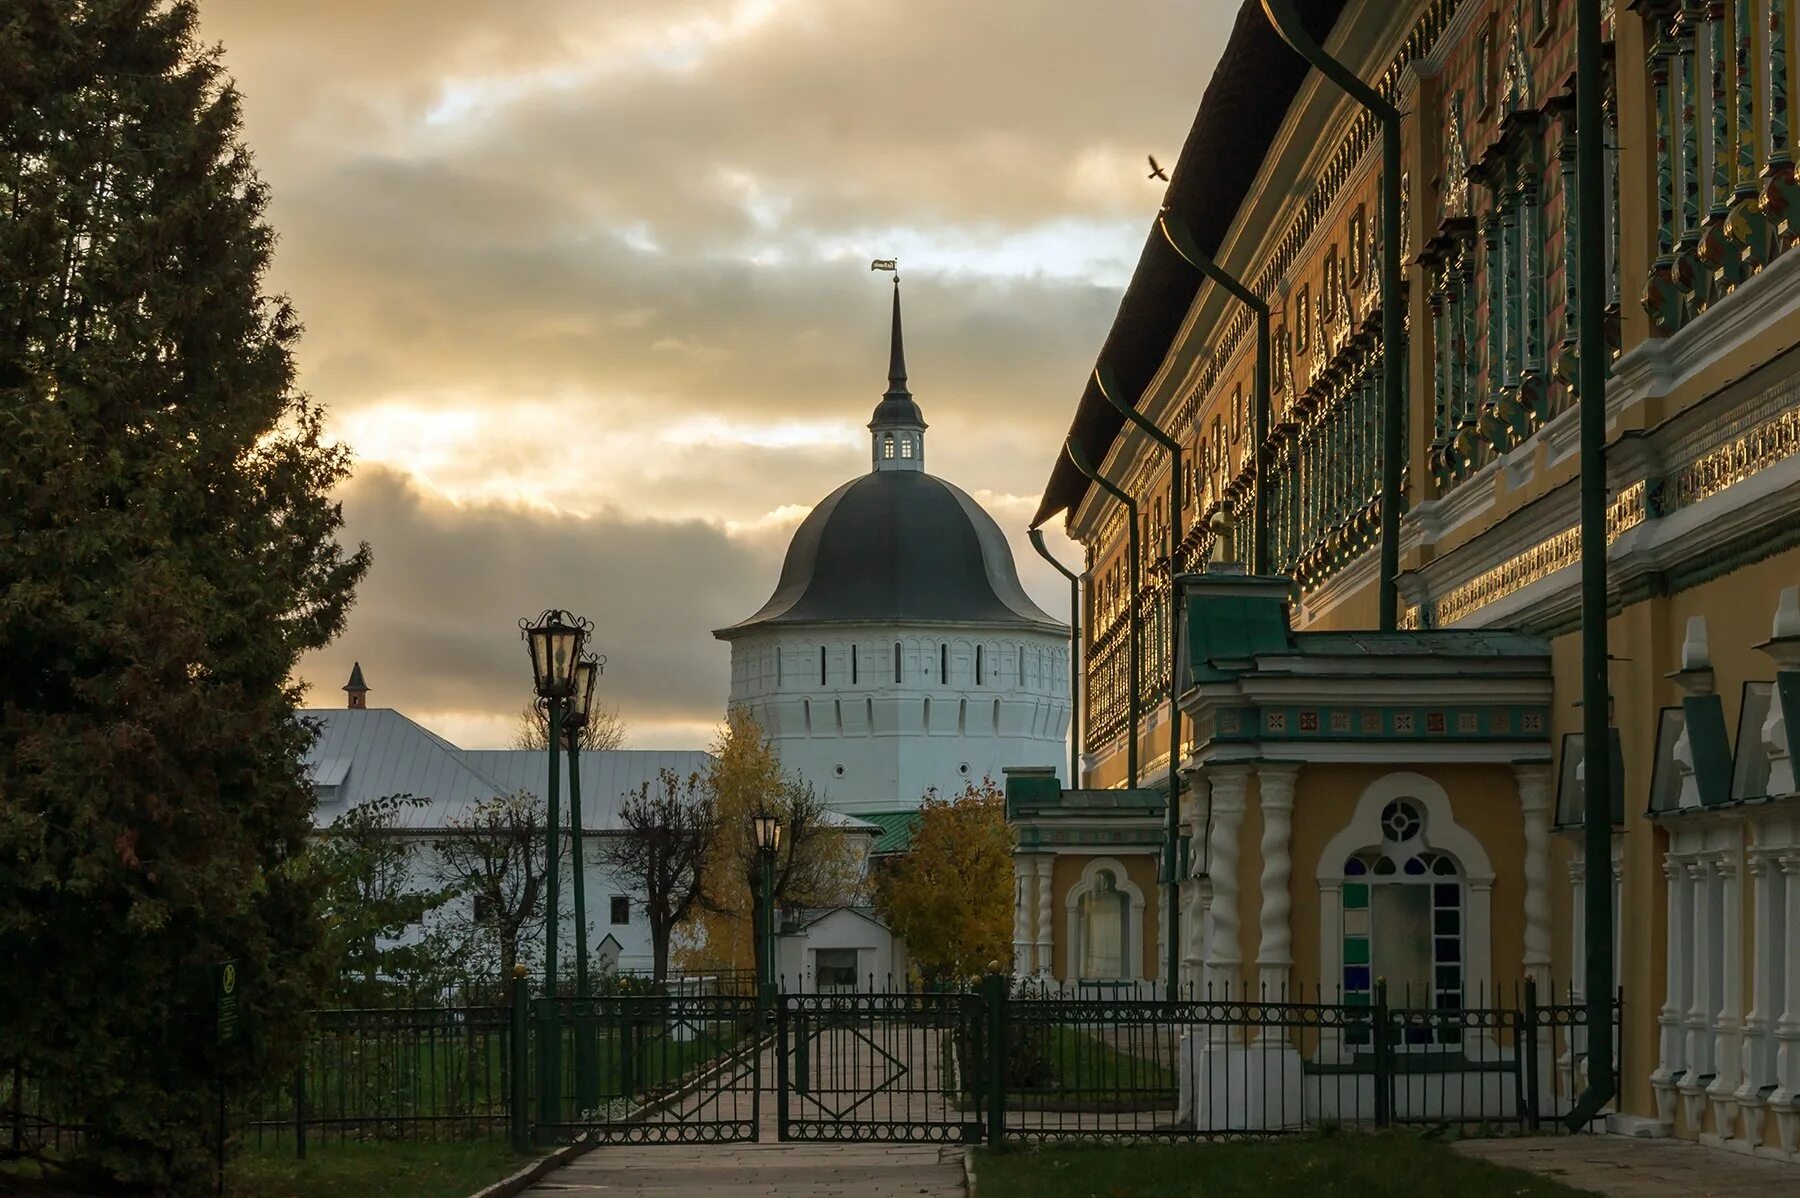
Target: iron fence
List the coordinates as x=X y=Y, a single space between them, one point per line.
x=1077 y=1064
x=669 y=1067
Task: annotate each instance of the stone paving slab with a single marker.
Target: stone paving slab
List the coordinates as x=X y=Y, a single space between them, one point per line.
x=744 y=1170
x=1631 y=1167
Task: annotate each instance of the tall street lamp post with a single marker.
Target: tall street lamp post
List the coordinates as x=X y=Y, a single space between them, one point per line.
x=767 y=827
x=555 y=642
x=581 y=703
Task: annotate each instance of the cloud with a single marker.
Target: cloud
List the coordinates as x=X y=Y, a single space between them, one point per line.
x=586 y=288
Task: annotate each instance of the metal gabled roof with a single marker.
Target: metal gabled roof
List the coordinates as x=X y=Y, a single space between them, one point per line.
x=607 y=775
x=366 y=754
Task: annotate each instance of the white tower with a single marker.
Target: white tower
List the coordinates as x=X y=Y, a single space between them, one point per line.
x=899 y=652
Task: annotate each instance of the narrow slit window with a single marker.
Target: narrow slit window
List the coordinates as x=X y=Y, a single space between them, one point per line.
x=979 y=668
x=944 y=665
x=896 y=661
x=852 y=665
x=821 y=665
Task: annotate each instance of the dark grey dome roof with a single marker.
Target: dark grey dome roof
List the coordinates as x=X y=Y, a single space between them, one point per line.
x=899 y=546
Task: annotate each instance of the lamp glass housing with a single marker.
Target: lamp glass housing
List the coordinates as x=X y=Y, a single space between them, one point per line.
x=768 y=831
x=587 y=672
x=555 y=642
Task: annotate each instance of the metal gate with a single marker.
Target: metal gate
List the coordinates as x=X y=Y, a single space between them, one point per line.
x=902 y=1067
x=647 y=1069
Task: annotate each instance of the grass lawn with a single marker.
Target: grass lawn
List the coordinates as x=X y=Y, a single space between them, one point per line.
x=1086 y=1062
x=447 y=1169
x=1344 y=1165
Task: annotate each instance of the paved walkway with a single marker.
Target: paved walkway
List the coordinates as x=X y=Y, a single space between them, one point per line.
x=1640 y=1168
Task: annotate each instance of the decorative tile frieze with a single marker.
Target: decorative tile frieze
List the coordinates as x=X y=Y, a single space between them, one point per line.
x=1545 y=558
x=1761 y=447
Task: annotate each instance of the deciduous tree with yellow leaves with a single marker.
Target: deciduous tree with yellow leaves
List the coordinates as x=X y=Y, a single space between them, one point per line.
x=816 y=866
x=950 y=895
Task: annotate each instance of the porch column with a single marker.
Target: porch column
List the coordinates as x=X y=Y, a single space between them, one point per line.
x=1196 y=891
x=1785 y=1101
x=1046 y=966
x=1021 y=941
x=1274 y=949
x=1571 y=1066
x=1224 y=958
x=1728 y=1027
x=1534 y=805
x=1757 y=1055
x=1702 y=985
x=1672 y=1055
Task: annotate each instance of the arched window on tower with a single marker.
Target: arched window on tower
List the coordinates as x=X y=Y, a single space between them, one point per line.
x=944 y=665
x=852 y=665
x=896 y=661
x=821 y=665
x=887 y=446
x=906 y=447
x=979 y=675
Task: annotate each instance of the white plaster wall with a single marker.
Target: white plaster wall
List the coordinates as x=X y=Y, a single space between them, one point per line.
x=869 y=743
x=878 y=954
x=601 y=884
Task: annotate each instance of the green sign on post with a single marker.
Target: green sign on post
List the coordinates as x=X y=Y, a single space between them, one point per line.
x=225 y=997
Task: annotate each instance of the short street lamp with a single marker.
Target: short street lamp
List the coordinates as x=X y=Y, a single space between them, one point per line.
x=555 y=642
x=767 y=827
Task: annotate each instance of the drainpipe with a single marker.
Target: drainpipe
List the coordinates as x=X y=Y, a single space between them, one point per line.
x=1037 y=542
x=1109 y=389
x=1287 y=24
x=1135 y=622
x=1592 y=353
x=1182 y=241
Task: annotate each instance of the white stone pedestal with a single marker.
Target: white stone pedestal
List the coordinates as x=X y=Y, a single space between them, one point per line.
x=1232 y=1086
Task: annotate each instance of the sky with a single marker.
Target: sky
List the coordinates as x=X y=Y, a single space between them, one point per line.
x=586 y=290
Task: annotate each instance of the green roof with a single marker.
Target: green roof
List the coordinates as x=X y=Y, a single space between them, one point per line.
x=897 y=828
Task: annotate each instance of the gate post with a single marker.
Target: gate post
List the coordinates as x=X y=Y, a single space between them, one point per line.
x=520 y=1061
x=1525 y=1045
x=1384 y=1078
x=995 y=985
x=781 y=1069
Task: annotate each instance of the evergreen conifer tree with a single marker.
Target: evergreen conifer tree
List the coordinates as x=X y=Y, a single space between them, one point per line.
x=168 y=549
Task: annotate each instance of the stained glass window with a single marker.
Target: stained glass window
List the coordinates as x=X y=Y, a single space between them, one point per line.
x=1402 y=906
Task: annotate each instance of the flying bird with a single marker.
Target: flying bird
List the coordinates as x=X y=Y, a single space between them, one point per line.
x=1156 y=172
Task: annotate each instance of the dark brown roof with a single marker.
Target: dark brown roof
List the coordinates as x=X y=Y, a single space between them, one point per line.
x=1244 y=105
x=898 y=546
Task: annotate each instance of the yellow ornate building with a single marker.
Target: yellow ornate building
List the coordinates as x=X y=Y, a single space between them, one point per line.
x=1406 y=805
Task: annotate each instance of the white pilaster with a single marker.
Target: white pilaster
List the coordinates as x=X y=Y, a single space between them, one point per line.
x=1534 y=806
x=1021 y=941
x=1728 y=1026
x=1785 y=1101
x=1757 y=1056
x=1572 y=1064
x=1224 y=960
x=1702 y=984
x=1671 y=1061
x=1046 y=966
x=1275 y=945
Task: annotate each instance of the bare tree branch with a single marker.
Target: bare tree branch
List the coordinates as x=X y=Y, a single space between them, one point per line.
x=605 y=728
x=668 y=829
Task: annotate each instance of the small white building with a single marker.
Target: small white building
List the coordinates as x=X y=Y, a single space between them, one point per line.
x=839 y=950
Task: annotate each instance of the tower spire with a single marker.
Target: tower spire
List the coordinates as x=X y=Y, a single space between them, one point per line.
x=897 y=351
x=898 y=427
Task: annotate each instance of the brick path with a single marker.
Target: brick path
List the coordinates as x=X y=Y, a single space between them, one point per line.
x=810 y=1170
x=1638 y=1168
